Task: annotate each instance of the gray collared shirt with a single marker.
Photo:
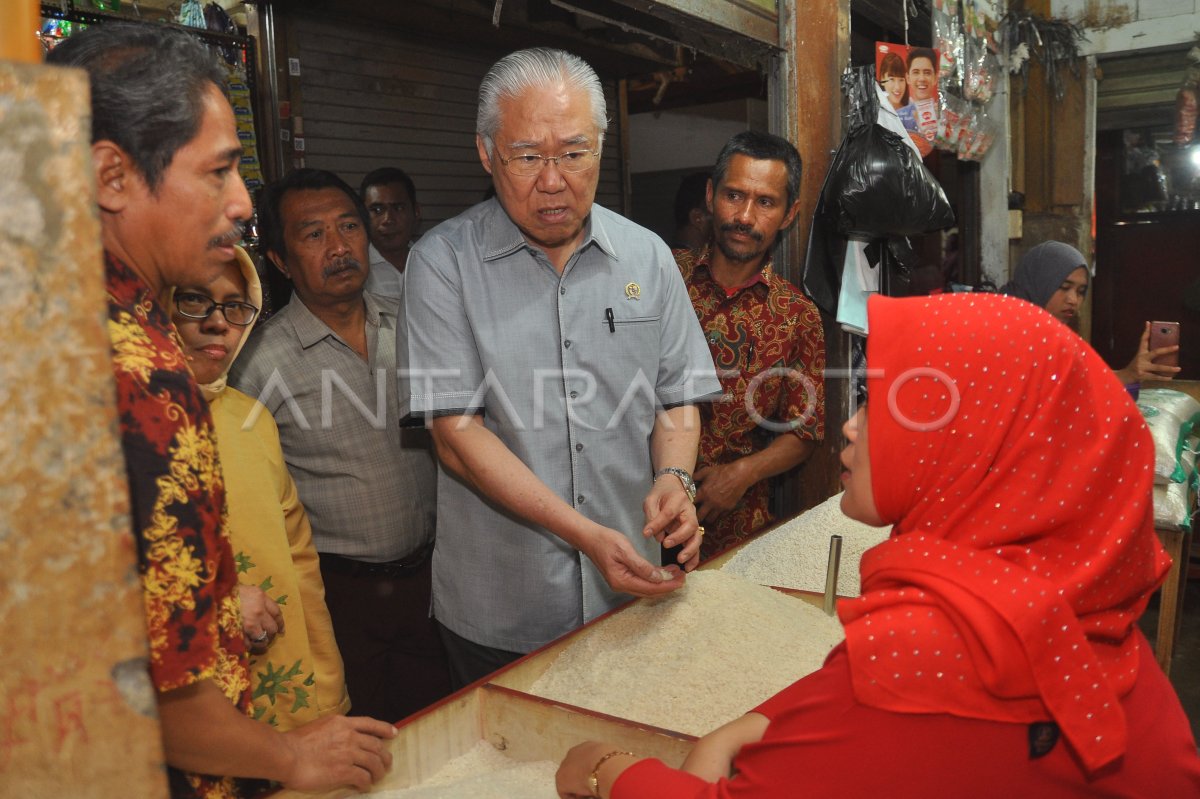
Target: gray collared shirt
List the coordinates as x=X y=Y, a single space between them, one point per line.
x=569 y=373
x=369 y=496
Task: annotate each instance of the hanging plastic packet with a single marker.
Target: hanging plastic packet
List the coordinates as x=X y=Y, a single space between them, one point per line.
x=955 y=113
x=948 y=41
x=1187 y=99
x=985 y=137
x=981 y=66
x=978 y=82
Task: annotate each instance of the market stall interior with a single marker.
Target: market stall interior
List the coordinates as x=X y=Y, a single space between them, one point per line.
x=348 y=86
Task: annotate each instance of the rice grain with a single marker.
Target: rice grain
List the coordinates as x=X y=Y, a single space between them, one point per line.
x=696 y=658
x=796 y=553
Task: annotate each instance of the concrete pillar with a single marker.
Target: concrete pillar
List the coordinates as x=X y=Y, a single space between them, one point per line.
x=77 y=711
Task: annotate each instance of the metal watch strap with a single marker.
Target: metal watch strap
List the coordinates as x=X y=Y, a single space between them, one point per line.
x=689 y=485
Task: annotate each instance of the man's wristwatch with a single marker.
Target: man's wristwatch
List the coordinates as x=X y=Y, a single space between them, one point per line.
x=689 y=485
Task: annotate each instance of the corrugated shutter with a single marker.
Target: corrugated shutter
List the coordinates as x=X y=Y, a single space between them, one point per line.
x=375 y=98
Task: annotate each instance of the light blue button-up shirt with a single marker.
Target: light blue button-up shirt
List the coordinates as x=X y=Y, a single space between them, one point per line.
x=569 y=372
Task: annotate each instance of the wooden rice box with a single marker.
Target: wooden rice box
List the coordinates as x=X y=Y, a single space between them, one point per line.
x=525 y=728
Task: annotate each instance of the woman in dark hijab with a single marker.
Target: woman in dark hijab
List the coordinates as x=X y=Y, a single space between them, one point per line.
x=1055 y=276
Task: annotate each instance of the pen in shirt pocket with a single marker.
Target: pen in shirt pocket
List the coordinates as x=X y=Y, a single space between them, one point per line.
x=612 y=326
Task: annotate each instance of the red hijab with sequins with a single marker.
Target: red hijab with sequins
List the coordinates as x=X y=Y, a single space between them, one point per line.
x=1017 y=474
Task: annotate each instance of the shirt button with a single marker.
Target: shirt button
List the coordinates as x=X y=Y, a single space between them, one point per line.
x=562 y=291
x=579 y=499
x=574 y=395
x=579 y=447
x=567 y=343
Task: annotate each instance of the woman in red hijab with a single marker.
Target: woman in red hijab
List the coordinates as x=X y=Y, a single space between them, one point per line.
x=994 y=651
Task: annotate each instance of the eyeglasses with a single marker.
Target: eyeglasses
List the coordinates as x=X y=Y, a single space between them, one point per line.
x=197 y=306
x=532 y=163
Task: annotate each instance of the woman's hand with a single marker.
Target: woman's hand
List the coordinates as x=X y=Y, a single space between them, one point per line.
x=712 y=756
x=1143 y=367
x=572 y=781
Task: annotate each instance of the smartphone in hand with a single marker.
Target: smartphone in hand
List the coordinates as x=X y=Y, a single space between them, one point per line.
x=1165 y=334
x=669 y=556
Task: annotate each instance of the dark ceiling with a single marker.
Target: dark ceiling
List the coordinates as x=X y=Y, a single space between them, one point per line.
x=670 y=62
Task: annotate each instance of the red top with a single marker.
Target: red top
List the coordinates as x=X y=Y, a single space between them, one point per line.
x=1017 y=474
x=821 y=743
x=766 y=339
x=177 y=496
x=1018 y=477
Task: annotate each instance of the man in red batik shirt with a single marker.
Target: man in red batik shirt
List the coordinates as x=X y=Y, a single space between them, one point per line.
x=765 y=336
x=165 y=153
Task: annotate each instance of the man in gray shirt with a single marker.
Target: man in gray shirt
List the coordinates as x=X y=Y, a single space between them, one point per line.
x=553 y=345
x=324 y=367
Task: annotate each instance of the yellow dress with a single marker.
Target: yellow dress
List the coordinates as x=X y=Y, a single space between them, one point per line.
x=300 y=675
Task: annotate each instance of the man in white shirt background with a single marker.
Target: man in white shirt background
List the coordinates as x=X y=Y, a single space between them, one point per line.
x=394 y=215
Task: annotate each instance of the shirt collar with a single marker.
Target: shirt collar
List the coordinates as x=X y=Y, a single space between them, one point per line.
x=310 y=330
x=125 y=286
x=374 y=256
x=763 y=276
x=501 y=236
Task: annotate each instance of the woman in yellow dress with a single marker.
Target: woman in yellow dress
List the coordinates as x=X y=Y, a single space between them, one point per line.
x=295 y=667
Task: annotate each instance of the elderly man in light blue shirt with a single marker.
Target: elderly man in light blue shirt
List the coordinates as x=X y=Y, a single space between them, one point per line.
x=553 y=346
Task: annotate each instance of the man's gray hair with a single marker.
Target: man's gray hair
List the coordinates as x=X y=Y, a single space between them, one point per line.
x=538 y=66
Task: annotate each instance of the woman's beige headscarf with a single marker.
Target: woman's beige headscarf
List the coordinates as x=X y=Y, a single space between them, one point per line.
x=254 y=296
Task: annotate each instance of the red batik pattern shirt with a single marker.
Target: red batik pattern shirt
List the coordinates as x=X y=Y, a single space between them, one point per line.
x=767 y=341
x=177 y=497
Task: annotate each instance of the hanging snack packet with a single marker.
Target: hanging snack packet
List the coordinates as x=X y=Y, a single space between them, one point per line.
x=950 y=122
x=948 y=41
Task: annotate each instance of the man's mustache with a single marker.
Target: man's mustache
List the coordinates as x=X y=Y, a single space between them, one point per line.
x=232 y=237
x=341 y=265
x=745 y=230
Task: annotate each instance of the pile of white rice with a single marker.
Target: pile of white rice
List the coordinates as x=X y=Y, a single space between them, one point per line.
x=482 y=773
x=694 y=659
x=796 y=553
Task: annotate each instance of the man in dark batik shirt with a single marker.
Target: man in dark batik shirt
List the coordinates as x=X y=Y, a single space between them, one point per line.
x=765 y=337
x=165 y=152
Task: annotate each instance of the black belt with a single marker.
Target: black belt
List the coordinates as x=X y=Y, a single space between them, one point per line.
x=402 y=567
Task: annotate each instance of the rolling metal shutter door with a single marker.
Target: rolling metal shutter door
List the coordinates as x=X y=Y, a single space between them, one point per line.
x=375 y=98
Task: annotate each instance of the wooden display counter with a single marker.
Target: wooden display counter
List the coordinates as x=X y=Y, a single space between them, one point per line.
x=500 y=710
x=522 y=727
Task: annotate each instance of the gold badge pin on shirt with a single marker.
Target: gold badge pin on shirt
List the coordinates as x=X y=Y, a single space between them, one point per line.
x=633 y=291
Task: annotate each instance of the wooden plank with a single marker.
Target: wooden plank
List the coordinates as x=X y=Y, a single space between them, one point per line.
x=524 y=728
x=819 y=49
x=1177 y=543
x=529 y=728
x=1067 y=147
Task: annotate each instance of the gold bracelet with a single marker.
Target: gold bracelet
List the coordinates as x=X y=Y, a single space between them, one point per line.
x=594 y=777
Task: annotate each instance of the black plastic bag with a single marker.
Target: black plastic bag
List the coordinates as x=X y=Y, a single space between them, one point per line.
x=878 y=186
x=826 y=250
